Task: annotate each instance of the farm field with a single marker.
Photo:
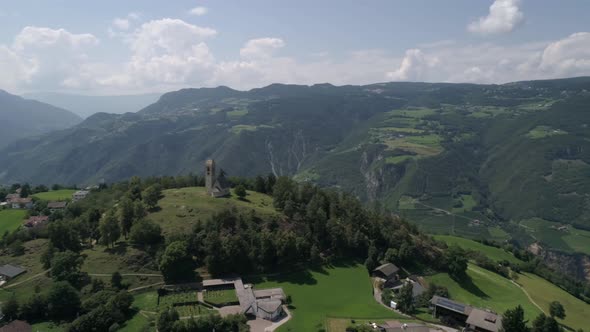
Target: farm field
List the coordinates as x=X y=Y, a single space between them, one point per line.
x=11 y=219
x=342 y=291
x=220 y=296
x=56 y=195
x=486 y=290
x=182 y=208
x=570 y=240
x=340 y=324
x=544 y=292
x=496 y=254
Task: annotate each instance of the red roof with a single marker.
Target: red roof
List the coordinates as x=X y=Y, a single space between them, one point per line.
x=36 y=221
x=17 y=326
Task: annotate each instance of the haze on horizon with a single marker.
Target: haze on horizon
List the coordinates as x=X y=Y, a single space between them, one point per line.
x=113 y=47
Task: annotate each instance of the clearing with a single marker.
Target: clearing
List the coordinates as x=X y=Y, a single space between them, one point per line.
x=568 y=239
x=56 y=195
x=487 y=290
x=493 y=253
x=11 y=219
x=543 y=292
x=180 y=209
x=343 y=291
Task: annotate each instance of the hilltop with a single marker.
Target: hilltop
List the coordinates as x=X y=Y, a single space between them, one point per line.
x=24 y=118
x=464 y=159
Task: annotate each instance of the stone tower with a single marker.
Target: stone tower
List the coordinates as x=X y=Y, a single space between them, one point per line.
x=210 y=175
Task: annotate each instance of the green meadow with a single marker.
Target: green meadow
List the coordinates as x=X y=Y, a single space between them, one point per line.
x=496 y=254
x=340 y=291
x=11 y=219
x=56 y=195
x=488 y=290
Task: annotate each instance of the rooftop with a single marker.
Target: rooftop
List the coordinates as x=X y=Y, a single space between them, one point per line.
x=484 y=319
x=11 y=271
x=387 y=269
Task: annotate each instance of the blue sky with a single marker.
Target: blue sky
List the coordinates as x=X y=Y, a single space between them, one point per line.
x=103 y=47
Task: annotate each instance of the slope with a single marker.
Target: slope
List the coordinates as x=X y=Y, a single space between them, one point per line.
x=23 y=118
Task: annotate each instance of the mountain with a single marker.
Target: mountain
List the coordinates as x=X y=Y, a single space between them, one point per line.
x=85 y=106
x=24 y=118
x=481 y=161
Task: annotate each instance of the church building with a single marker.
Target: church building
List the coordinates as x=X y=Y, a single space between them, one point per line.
x=217 y=186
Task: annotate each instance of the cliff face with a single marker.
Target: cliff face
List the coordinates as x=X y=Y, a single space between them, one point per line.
x=575 y=265
x=379 y=176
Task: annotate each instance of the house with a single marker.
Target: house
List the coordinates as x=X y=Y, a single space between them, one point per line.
x=8 y=271
x=474 y=319
x=36 y=221
x=417 y=288
x=17 y=326
x=19 y=202
x=80 y=194
x=56 y=206
x=387 y=272
x=396 y=326
x=267 y=303
x=217 y=186
x=483 y=321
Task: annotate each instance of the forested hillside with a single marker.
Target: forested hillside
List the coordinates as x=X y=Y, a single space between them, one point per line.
x=23 y=118
x=466 y=159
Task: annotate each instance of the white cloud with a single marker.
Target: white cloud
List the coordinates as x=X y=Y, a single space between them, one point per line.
x=121 y=23
x=261 y=48
x=567 y=57
x=38 y=38
x=504 y=16
x=414 y=66
x=198 y=11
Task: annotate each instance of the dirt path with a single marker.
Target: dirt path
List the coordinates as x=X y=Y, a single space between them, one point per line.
x=144 y=287
x=529 y=297
x=28 y=279
x=126 y=275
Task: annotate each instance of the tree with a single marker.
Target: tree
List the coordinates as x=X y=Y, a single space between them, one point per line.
x=63 y=301
x=240 y=191
x=139 y=211
x=109 y=229
x=34 y=309
x=65 y=266
x=539 y=323
x=126 y=215
x=405 y=299
x=513 y=320
x=166 y=320
x=116 y=280
x=456 y=259
x=145 y=233
x=176 y=263
x=556 y=309
x=260 y=184
x=63 y=236
x=151 y=196
x=10 y=308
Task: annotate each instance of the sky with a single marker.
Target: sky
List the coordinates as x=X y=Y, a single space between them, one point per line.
x=138 y=46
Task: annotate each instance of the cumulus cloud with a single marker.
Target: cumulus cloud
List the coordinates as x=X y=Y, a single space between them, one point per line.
x=261 y=47
x=414 y=66
x=198 y=11
x=504 y=16
x=38 y=38
x=567 y=57
x=121 y=23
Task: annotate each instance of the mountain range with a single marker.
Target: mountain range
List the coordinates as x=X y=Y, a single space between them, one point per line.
x=461 y=158
x=23 y=118
x=85 y=106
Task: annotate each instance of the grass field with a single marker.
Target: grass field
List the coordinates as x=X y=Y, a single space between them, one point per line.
x=11 y=219
x=182 y=208
x=570 y=240
x=496 y=254
x=487 y=290
x=340 y=324
x=343 y=291
x=56 y=195
x=218 y=297
x=48 y=327
x=544 y=292
x=544 y=131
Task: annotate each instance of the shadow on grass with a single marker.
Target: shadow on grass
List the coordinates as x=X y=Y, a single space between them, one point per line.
x=467 y=284
x=119 y=249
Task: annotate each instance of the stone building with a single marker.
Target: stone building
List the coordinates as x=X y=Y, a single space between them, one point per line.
x=217 y=186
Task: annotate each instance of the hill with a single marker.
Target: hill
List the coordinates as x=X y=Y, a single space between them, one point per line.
x=460 y=159
x=24 y=118
x=84 y=106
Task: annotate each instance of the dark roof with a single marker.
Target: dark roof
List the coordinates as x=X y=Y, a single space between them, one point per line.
x=222 y=181
x=388 y=269
x=483 y=319
x=11 y=271
x=17 y=326
x=57 y=205
x=449 y=304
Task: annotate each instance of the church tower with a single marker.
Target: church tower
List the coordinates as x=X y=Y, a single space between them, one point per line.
x=210 y=175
